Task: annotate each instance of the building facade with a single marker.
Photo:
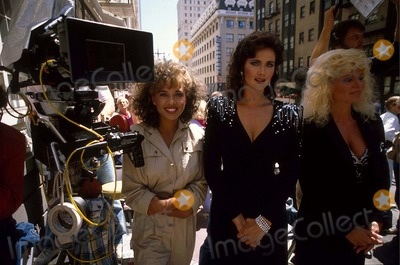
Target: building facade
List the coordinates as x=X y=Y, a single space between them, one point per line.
x=189 y=11
x=215 y=36
x=299 y=24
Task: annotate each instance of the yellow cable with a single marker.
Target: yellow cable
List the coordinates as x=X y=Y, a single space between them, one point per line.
x=109 y=152
x=56 y=110
x=69 y=191
x=66 y=174
x=88 y=261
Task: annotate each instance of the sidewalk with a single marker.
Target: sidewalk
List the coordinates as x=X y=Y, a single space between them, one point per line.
x=386 y=254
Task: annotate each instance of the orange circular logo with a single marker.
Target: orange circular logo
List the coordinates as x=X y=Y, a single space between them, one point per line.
x=184 y=199
x=383 y=199
x=383 y=50
x=183 y=50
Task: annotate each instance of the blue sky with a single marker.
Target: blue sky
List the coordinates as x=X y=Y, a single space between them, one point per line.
x=160 y=18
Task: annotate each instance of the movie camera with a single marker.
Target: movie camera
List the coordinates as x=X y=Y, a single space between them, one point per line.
x=66 y=54
x=61 y=73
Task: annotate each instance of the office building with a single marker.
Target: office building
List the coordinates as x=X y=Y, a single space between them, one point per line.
x=215 y=36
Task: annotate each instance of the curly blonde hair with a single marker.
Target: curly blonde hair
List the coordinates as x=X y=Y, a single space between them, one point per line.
x=167 y=74
x=317 y=95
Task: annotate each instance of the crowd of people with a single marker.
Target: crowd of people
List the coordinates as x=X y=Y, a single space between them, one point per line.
x=252 y=152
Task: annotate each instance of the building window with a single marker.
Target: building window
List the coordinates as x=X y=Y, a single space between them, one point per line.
x=301 y=62
x=277 y=25
x=291 y=63
x=355 y=16
x=311 y=35
x=278 y=5
x=286 y=20
x=242 y=24
x=230 y=24
x=229 y=52
x=301 y=37
x=292 y=18
x=251 y=25
x=312 y=7
x=240 y=37
x=270 y=27
x=229 y=37
x=284 y=67
x=271 y=8
x=302 y=12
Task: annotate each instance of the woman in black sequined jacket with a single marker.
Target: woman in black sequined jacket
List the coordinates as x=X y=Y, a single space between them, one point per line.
x=344 y=172
x=251 y=155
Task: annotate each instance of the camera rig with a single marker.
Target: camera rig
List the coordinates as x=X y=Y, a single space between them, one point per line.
x=65 y=54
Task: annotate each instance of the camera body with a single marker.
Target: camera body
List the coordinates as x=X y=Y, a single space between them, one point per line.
x=66 y=54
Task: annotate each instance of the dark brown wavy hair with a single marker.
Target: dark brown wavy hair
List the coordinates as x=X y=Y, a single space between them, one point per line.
x=167 y=74
x=246 y=49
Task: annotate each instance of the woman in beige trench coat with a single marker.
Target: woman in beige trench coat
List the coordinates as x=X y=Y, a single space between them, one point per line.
x=164 y=225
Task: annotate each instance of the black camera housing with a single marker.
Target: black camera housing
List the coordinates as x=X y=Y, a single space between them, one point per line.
x=66 y=54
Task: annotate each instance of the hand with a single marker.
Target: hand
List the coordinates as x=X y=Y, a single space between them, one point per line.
x=375 y=227
x=156 y=206
x=171 y=210
x=239 y=222
x=251 y=234
x=167 y=207
x=329 y=19
x=363 y=239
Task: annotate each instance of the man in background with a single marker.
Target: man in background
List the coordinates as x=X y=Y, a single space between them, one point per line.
x=12 y=159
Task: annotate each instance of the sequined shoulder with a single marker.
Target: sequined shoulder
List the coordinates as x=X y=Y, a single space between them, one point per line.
x=221 y=108
x=289 y=115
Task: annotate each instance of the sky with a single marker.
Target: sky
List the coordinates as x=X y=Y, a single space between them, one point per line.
x=160 y=18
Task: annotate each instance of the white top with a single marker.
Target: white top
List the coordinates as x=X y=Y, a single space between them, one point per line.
x=390 y=124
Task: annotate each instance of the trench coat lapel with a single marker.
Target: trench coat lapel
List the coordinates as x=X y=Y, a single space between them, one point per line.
x=157 y=141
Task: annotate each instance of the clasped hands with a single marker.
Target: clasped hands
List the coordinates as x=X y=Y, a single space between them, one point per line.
x=364 y=239
x=167 y=207
x=248 y=231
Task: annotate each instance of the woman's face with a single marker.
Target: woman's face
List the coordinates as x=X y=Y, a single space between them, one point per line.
x=170 y=103
x=259 y=70
x=123 y=104
x=348 y=88
x=395 y=108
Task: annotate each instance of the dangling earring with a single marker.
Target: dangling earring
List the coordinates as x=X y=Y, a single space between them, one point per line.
x=241 y=78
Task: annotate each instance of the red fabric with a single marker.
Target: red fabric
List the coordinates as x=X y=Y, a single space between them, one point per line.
x=12 y=159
